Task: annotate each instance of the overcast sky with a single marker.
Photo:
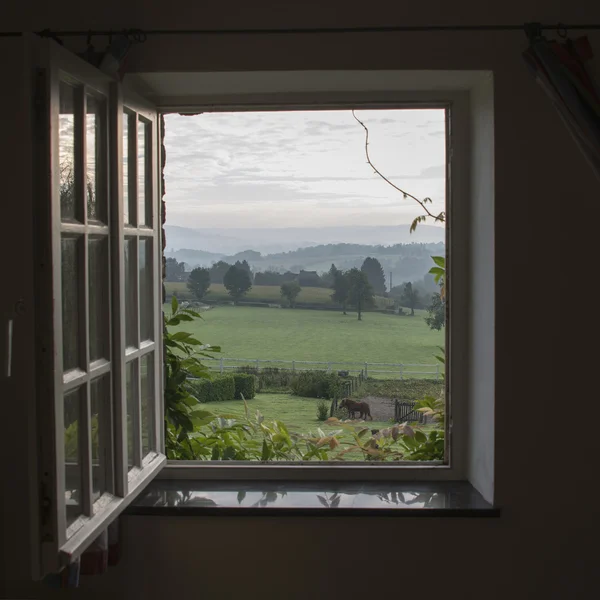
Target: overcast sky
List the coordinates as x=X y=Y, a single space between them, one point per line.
x=297 y=169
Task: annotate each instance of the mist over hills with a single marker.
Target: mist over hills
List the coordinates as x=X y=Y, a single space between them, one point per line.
x=228 y=241
x=405 y=258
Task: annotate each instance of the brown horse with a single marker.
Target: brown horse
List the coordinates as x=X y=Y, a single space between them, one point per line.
x=356 y=407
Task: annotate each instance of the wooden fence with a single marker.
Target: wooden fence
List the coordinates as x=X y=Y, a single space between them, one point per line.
x=404 y=410
x=368 y=369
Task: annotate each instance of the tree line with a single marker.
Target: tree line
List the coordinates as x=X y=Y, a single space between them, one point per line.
x=353 y=287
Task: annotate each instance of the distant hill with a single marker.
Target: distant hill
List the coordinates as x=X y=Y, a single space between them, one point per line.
x=223 y=241
x=405 y=262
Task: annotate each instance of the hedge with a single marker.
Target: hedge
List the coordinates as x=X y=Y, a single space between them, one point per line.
x=219 y=389
x=316 y=384
x=244 y=383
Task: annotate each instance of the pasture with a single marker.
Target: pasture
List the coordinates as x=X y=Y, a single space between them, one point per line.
x=258 y=293
x=314 y=335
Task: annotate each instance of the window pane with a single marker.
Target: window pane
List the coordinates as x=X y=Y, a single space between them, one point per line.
x=96 y=160
x=147 y=398
x=126 y=215
x=144 y=216
x=73 y=477
x=146 y=303
x=98 y=281
x=100 y=412
x=66 y=153
x=130 y=293
x=70 y=301
x=131 y=384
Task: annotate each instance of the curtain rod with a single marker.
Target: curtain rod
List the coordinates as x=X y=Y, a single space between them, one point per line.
x=141 y=34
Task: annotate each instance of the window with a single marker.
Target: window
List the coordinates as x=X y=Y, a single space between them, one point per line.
x=246 y=190
x=99 y=397
x=98 y=313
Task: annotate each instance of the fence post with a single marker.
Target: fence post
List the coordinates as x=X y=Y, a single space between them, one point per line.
x=257 y=366
x=221 y=365
x=366 y=371
x=329 y=367
x=293 y=366
x=437 y=372
x=401 y=369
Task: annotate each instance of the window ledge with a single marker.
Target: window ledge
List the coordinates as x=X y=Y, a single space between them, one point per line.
x=297 y=499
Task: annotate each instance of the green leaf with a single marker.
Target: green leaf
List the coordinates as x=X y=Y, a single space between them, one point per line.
x=420 y=436
x=265 y=451
x=437 y=271
x=174 y=305
x=439 y=260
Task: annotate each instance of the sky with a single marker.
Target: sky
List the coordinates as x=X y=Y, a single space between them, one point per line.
x=302 y=169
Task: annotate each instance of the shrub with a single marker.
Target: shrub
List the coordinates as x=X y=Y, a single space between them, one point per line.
x=275 y=379
x=244 y=383
x=219 y=389
x=322 y=410
x=316 y=384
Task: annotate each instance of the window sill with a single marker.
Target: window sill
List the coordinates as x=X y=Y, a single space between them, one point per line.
x=300 y=499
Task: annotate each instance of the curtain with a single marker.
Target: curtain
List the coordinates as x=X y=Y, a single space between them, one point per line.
x=560 y=68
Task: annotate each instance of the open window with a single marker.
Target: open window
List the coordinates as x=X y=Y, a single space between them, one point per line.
x=99 y=332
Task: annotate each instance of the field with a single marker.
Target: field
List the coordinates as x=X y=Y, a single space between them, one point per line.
x=314 y=335
x=259 y=293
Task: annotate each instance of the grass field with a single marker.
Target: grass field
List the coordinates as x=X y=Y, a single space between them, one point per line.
x=260 y=293
x=314 y=335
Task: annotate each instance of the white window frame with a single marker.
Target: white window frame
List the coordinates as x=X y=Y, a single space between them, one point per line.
x=457 y=105
x=59 y=544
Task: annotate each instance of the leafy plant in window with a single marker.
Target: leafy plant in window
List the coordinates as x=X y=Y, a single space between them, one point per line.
x=182 y=352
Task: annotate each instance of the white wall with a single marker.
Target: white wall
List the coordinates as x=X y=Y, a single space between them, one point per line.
x=546 y=209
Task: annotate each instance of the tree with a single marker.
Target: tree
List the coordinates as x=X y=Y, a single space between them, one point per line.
x=290 y=290
x=245 y=266
x=199 y=282
x=375 y=275
x=436 y=317
x=175 y=270
x=237 y=282
x=409 y=297
x=360 y=292
x=218 y=270
x=341 y=287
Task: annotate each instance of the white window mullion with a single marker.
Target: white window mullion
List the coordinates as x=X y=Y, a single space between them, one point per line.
x=118 y=288
x=155 y=178
x=85 y=445
x=136 y=414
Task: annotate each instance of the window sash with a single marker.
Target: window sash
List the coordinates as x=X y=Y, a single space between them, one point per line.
x=84 y=222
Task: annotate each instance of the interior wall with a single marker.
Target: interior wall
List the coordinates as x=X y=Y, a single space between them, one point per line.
x=546 y=209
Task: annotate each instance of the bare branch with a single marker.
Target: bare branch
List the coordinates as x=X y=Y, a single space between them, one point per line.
x=440 y=217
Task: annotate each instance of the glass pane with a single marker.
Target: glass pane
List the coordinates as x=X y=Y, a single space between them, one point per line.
x=131 y=311
x=98 y=281
x=96 y=159
x=147 y=399
x=126 y=216
x=66 y=153
x=100 y=407
x=73 y=477
x=146 y=303
x=131 y=384
x=70 y=301
x=143 y=138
